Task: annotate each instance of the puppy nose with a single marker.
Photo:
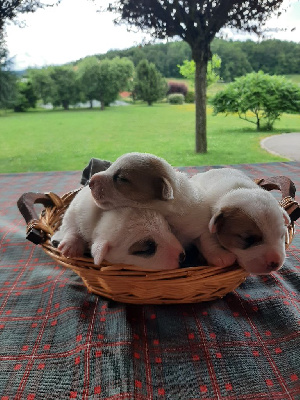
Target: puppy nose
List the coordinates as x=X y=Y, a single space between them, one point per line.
x=181 y=257
x=273 y=266
x=55 y=243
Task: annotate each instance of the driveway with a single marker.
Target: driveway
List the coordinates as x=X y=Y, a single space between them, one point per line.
x=285 y=145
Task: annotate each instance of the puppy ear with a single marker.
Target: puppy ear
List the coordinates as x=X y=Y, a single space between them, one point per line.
x=215 y=221
x=99 y=250
x=166 y=190
x=286 y=218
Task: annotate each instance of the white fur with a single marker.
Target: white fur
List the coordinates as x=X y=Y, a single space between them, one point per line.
x=228 y=187
x=110 y=234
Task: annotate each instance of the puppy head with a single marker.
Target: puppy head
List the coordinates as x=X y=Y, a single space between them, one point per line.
x=251 y=224
x=138 y=237
x=133 y=178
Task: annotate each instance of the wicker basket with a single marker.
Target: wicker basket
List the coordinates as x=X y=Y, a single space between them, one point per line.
x=130 y=284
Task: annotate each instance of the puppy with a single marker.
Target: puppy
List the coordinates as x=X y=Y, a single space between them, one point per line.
x=143 y=180
x=240 y=220
x=139 y=237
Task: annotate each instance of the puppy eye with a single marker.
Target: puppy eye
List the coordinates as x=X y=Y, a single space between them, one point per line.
x=122 y=179
x=251 y=240
x=119 y=178
x=143 y=248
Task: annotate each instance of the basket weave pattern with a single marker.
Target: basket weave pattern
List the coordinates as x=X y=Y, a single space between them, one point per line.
x=131 y=284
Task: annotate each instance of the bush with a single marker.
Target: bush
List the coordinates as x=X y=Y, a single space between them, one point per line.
x=177 y=87
x=190 y=97
x=176 y=98
x=267 y=97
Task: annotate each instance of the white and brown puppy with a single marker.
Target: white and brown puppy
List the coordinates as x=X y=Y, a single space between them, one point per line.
x=138 y=237
x=241 y=220
x=144 y=180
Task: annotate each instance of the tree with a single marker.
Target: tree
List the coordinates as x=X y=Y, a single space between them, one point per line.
x=88 y=71
x=26 y=97
x=196 y=22
x=42 y=83
x=108 y=87
x=124 y=70
x=7 y=79
x=65 y=88
x=188 y=68
x=267 y=97
x=103 y=80
x=149 y=84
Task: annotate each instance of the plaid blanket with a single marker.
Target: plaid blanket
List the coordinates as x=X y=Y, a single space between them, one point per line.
x=57 y=341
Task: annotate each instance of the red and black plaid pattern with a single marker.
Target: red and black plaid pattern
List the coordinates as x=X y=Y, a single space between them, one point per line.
x=57 y=341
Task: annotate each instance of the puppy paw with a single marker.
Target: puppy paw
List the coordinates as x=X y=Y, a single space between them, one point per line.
x=72 y=247
x=99 y=250
x=222 y=258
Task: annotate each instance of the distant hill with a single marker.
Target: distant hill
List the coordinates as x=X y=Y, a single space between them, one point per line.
x=238 y=57
x=20 y=72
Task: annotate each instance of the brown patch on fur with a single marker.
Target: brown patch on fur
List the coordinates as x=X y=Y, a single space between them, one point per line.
x=141 y=184
x=143 y=248
x=235 y=229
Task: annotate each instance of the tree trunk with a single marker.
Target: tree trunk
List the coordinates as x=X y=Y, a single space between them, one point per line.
x=102 y=105
x=200 y=104
x=258 y=124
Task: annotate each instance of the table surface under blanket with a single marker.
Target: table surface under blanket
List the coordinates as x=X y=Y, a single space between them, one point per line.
x=57 y=341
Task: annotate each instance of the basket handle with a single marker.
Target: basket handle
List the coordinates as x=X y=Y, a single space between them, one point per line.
x=288 y=191
x=26 y=207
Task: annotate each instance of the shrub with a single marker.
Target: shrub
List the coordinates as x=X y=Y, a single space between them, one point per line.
x=177 y=87
x=190 y=97
x=267 y=97
x=176 y=98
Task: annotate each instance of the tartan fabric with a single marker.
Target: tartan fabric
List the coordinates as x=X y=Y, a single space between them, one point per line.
x=57 y=341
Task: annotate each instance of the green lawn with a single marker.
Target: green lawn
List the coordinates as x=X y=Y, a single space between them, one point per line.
x=294 y=78
x=66 y=140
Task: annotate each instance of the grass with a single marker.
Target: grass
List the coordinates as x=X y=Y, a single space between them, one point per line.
x=66 y=140
x=294 y=78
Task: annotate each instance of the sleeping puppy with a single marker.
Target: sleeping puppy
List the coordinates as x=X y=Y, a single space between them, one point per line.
x=143 y=180
x=241 y=220
x=139 y=237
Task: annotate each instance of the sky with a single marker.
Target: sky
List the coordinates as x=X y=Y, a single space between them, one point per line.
x=75 y=29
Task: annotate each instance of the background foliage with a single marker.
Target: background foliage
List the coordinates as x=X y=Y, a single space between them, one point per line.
x=270 y=56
